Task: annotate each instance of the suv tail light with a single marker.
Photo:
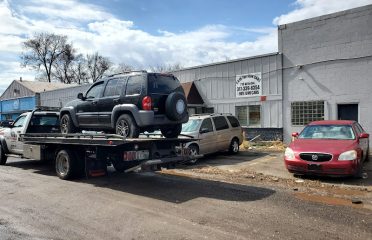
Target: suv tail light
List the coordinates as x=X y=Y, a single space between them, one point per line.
x=146 y=103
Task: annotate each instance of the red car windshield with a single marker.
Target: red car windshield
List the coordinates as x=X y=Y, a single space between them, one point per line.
x=338 y=132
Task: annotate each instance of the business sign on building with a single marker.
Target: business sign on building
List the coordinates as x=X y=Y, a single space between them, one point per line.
x=249 y=85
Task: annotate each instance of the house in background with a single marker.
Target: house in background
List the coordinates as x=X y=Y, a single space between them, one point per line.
x=22 y=96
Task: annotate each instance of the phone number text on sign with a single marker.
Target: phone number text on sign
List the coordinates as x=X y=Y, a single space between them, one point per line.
x=249 y=85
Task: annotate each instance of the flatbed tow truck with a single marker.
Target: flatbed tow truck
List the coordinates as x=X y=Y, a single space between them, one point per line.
x=35 y=135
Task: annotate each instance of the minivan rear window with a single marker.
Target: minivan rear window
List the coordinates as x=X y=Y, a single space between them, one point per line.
x=233 y=121
x=220 y=123
x=158 y=83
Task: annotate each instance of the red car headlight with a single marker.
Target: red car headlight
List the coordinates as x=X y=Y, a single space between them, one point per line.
x=289 y=154
x=348 y=156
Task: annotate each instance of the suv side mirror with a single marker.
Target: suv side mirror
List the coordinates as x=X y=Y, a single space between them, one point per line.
x=81 y=96
x=364 y=135
x=204 y=130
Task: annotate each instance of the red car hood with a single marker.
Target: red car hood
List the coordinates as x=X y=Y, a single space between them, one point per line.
x=323 y=145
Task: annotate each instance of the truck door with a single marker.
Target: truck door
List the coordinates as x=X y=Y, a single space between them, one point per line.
x=111 y=97
x=87 y=111
x=13 y=136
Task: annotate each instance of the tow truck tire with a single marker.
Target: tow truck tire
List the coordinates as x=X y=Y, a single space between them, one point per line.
x=66 y=164
x=67 y=125
x=3 y=157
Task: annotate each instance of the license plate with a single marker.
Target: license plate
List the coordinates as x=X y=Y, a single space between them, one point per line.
x=136 y=155
x=314 y=167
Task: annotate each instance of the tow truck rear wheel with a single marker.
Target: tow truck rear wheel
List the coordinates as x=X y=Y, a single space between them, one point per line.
x=67 y=165
x=3 y=157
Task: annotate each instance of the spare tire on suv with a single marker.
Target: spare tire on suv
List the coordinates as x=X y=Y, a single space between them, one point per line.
x=175 y=106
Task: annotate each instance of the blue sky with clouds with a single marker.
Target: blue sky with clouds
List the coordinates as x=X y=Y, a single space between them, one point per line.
x=145 y=33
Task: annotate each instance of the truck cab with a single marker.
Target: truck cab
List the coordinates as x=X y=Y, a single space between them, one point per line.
x=29 y=122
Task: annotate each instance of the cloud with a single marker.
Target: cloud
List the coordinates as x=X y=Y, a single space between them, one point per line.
x=66 y=9
x=314 y=8
x=12 y=70
x=92 y=28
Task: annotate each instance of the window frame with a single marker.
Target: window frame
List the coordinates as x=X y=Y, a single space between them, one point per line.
x=95 y=85
x=305 y=112
x=20 y=117
x=212 y=124
x=248 y=116
x=215 y=125
x=107 y=85
x=142 y=86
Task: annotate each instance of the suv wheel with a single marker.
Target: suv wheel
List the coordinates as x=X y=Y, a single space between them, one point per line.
x=234 y=146
x=66 y=125
x=171 y=131
x=126 y=127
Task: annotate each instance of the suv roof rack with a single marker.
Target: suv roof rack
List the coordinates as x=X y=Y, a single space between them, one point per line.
x=126 y=72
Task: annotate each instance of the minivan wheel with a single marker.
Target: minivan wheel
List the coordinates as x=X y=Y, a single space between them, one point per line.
x=171 y=131
x=234 y=146
x=67 y=125
x=127 y=127
x=194 y=150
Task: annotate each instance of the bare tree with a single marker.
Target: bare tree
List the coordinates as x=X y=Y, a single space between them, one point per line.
x=123 y=67
x=79 y=70
x=97 y=65
x=63 y=65
x=166 y=68
x=42 y=51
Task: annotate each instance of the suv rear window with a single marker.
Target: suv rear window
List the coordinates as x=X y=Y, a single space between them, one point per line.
x=233 y=121
x=220 y=123
x=163 y=83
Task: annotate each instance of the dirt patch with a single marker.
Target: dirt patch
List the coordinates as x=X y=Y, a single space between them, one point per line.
x=276 y=146
x=326 y=200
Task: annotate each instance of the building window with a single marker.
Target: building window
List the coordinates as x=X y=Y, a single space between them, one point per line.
x=305 y=112
x=249 y=116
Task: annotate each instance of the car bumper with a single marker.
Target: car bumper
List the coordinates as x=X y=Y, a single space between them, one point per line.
x=148 y=118
x=329 y=168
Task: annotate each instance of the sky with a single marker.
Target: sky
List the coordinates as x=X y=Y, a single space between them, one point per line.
x=145 y=33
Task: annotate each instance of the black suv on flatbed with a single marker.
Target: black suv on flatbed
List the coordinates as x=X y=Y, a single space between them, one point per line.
x=128 y=104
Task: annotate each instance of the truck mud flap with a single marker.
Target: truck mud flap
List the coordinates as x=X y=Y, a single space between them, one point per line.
x=94 y=166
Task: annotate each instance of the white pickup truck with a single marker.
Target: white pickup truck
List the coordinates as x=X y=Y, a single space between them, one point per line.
x=29 y=122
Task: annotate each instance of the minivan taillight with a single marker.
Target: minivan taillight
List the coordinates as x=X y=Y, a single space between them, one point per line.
x=146 y=103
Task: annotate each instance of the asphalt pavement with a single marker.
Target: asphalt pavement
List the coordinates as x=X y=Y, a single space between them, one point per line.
x=35 y=204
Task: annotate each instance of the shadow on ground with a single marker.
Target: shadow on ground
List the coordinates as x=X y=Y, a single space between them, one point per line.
x=175 y=189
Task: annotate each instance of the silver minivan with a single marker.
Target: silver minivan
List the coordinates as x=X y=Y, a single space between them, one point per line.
x=216 y=132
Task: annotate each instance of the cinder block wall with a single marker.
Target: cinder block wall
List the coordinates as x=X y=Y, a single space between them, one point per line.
x=328 y=58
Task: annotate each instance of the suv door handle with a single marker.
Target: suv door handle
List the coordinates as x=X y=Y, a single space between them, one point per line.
x=116 y=100
x=94 y=102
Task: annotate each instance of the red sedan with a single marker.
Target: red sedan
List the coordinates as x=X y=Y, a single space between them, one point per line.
x=335 y=148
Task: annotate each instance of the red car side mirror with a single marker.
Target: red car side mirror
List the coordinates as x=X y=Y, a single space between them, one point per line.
x=295 y=134
x=364 y=135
